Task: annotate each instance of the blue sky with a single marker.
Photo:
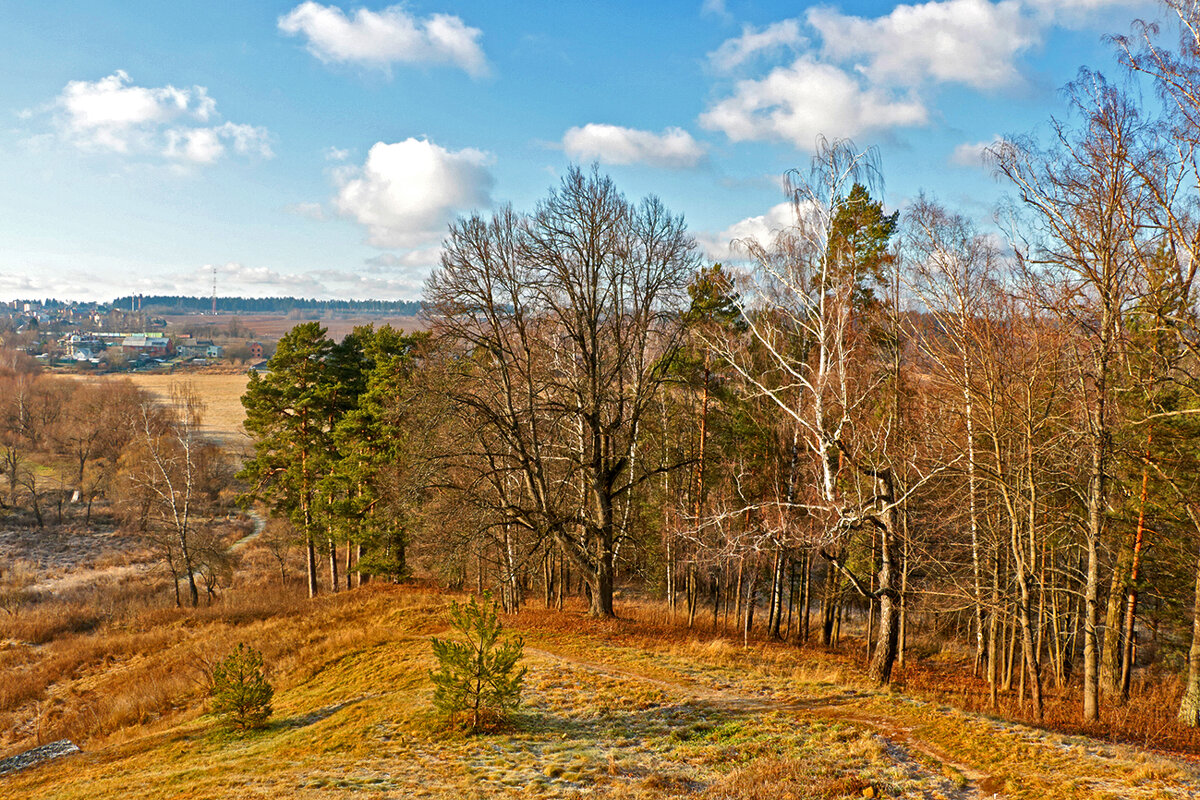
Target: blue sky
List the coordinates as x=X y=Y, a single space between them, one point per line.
x=317 y=149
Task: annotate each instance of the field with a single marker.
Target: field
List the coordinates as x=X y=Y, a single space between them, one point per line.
x=221 y=392
x=631 y=708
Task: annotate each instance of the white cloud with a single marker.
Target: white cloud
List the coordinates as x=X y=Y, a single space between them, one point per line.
x=797 y=103
x=407 y=192
x=775 y=37
x=207 y=145
x=198 y=145
x=235 y=278
x=336 y=154
x=423 y=259
x=970 y=154
x=726 y=245
x=714 y=8
x=382 y=38
x=114 y=115
x=974 y=42
x=1082 y=12
x=612 y=144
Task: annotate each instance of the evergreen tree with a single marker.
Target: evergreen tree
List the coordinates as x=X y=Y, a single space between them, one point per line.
x=241 y=693
x=478 y=679
x=288 y=413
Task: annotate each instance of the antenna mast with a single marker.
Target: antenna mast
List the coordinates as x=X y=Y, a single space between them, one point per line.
x=214 y=297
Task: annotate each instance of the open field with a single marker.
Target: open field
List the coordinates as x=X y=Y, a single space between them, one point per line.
x=272 y=326
x=621 y=709
x=221 y=391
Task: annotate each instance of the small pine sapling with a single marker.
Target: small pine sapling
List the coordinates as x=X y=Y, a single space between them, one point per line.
x=478 y=681
x=241 y=694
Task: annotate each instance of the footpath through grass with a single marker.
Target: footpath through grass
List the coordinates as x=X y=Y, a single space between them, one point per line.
x=621 y=709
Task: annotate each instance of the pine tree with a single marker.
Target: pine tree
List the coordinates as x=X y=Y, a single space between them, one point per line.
x=241 y=693
x=478 y=680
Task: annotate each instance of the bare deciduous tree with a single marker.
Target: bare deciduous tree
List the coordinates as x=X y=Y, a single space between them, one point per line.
x=566 y=319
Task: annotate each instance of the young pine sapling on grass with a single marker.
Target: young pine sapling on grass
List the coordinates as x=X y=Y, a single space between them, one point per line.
x=478 y=682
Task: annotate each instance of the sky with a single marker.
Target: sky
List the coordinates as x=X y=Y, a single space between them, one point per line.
x=320 y=150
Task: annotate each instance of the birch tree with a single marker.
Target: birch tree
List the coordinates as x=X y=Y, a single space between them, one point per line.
x=1083 y=230
x=806 y=314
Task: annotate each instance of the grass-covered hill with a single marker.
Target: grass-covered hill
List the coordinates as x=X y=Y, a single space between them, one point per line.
x=633 y=708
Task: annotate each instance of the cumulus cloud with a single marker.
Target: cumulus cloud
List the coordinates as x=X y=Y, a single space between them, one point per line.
x=754 y=42
x=237 y=278
x=612 y=144
x=971 y=154
x=797 y=103
x=115 y=115
x=1082 y=12
x=382 y=38
x=974 y=42
x=421 y=259
x=407 y=192
x=727 y=244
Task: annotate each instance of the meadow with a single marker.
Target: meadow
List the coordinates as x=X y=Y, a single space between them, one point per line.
x=629 y=708
x=220 y=389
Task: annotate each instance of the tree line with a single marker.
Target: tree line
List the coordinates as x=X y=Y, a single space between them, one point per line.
x=896 y=419
x=264 y=305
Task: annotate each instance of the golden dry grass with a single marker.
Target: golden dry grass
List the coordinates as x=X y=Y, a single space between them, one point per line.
x=622 y=709
x=221 y=392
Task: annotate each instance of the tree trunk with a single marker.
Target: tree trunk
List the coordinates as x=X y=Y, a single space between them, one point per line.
x=312 y=567
x=880 y=670
x=333 y=566
x=777 y=586
x=1189 y=706
x=601 y=581
x=1129 y=636
x=1111 y=649
x=751 y=601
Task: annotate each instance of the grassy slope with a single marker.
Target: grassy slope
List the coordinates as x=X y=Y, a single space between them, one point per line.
x=623 y=709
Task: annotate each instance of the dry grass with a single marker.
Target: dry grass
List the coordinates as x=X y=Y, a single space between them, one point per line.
x=221 y=392
x=631 y=708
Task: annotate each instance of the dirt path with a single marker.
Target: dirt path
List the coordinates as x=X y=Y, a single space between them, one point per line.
x=950 y=776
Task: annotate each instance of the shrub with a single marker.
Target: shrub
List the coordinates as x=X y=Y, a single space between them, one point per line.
x=241 y=693
x=478 y=681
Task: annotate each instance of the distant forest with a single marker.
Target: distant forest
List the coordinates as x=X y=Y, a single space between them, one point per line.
x=267 y=305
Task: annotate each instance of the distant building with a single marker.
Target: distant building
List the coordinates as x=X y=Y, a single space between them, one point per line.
x=215 y=351
x=256 y=350
x=142 y=345
x=194 y=348
x=83 y=346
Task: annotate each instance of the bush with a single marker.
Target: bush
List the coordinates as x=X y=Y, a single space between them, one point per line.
x=478 y=681
x=241 y=693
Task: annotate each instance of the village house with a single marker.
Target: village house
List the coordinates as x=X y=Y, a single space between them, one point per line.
x=142 y=345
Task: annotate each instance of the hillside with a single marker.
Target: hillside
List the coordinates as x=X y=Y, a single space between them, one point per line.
x=629 y=708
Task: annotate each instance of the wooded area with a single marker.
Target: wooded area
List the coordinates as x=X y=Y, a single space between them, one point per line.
x=890 y=419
